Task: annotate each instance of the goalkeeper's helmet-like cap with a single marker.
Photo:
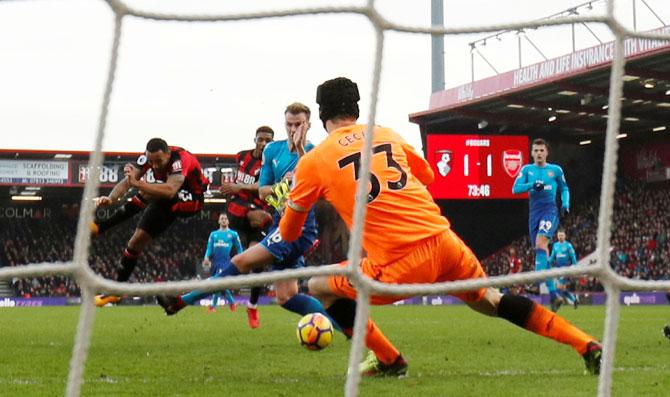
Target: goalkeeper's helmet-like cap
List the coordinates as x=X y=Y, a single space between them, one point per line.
x=337 y=98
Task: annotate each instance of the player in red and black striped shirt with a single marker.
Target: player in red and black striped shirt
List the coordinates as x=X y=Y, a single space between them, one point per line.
x=179 y=193
x=248 y=214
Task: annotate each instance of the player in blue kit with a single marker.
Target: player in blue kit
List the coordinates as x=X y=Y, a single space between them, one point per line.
x=279 y=160
x=220 y=245
x=543 y=181
x=562 y=255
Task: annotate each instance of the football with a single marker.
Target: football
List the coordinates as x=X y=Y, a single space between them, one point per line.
x=315 y=331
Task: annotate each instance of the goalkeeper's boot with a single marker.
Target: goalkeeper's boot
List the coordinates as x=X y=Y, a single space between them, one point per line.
x=252 y=317
x=592 y=357
x=102 y=300
x=666 y=331
x=373 y=367
x=171 y=304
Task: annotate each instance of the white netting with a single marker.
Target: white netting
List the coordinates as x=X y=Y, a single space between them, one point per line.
x=595 y=264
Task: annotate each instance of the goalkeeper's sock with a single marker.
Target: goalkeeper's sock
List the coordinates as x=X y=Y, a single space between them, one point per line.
x=343 y=311
x=126 y=211
x=533 y=317
x=128 y=263
x=194 y=296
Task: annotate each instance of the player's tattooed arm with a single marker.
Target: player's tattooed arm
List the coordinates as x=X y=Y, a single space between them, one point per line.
x=166 y=190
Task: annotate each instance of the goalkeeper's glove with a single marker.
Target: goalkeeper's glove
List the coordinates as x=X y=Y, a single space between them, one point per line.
x=538 y=186
x=279 y=195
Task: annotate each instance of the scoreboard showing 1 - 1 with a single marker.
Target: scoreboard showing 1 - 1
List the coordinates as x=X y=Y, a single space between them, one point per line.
x=476 y=166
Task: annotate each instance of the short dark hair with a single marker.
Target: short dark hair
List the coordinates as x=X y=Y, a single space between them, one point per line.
x=265 y=128
x=337 y=98
x=540 y=141
x=156 y=144
x=297 y=108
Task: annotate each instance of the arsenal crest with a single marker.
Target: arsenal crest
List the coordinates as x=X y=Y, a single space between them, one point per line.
x=512 y=162
x=444 y=162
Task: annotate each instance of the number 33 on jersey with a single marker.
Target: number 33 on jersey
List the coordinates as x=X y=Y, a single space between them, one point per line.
x=399 y=206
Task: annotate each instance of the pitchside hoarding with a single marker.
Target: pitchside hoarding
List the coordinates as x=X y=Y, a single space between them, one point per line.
x=76 y=173
x=33 y=172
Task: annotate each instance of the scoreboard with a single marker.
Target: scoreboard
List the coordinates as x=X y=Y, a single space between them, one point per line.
x=476 y=166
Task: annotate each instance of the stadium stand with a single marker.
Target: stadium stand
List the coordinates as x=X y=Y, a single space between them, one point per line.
x=640 y=247
x=50 y=238
x=640 y=243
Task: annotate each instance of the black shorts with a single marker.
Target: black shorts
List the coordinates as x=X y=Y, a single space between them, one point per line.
x=237 y=211
x=159 y=215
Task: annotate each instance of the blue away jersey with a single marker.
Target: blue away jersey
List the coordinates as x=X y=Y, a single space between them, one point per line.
x=277 y=161
x=562 y=254
x=554 y=180
x=220 y=244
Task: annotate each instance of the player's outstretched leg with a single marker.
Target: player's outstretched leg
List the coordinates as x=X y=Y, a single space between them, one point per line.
x=128 y=263
x=126 y=211
x=171 y=304
x=384 y=359
x=535 y=318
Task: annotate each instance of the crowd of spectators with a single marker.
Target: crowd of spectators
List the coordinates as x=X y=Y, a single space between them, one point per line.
x=640 y=246
x=640 y=232
x=173 y=256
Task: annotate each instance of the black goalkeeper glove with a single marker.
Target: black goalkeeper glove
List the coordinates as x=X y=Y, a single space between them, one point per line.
x=538 y=186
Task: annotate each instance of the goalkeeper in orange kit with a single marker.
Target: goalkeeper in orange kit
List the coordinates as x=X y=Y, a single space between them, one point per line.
x=406 y=238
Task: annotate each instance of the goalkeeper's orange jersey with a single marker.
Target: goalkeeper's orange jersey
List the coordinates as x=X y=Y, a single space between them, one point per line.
x=400 y=211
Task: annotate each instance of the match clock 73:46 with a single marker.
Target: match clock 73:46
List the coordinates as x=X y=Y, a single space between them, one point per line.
x=476 y=166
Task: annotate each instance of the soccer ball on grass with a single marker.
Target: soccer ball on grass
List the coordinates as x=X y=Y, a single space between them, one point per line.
x=315 y=331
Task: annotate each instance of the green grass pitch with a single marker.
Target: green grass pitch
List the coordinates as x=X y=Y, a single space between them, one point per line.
x=451 y=351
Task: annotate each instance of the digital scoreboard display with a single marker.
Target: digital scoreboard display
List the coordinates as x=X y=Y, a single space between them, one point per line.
x=476 y=166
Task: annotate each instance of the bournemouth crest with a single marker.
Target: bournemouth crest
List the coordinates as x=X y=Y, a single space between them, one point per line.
x=444 y=162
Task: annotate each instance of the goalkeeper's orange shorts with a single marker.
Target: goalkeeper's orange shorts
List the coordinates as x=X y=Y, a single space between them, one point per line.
x=443 y=257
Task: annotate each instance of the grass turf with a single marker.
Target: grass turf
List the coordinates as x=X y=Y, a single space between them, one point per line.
x=451 y=351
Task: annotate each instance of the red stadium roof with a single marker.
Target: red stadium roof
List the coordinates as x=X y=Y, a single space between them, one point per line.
x=565 y=97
